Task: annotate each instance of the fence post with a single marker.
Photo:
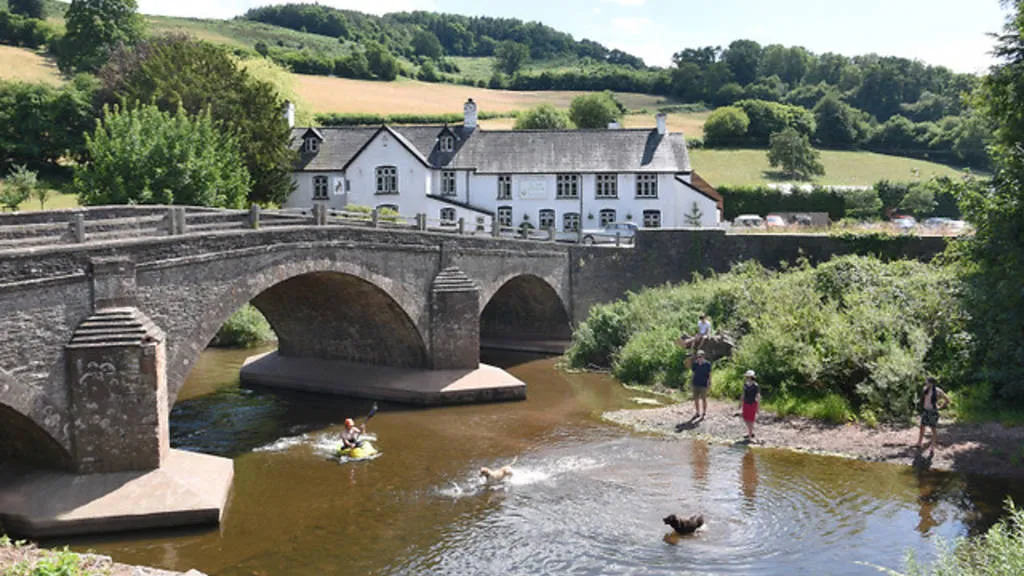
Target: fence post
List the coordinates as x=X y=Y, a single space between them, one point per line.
x=421 y=222
x=172 y=221
x=254 y=216
x=179 y=217
x=462 y=226
x=618 y=238
x=374 y=218
x=495 y=227
x=78 y=227
x=551 y=233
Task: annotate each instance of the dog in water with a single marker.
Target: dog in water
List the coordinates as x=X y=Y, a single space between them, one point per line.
x=499 y=474
x=684 y=526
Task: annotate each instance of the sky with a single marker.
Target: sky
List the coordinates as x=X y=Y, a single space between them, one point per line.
x=950 y=33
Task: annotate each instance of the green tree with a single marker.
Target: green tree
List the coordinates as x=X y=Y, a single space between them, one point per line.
x=18 y=186
x=510 y=56
x=426 y=44
x=863 y=204
x=173 y=72
x=793 y=152
x=94 y=28
x=29 y=8
x=595 y=110
x=41 y=124
x=148 y=156
x=543 y=117
x=838 y=123
x=726 y=125
x=381 y=63
x=919 y=200
x=693 y=217
x=743 y=57
x=428 y=72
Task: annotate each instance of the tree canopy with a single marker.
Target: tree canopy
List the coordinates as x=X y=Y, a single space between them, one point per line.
x=595 y=110
x=94 y=28
x=792 y=151
x=543 y=117
x=510 y=56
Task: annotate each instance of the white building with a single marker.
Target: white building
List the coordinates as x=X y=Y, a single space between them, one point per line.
x=560 y=178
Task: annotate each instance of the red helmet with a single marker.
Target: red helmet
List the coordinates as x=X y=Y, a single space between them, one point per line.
x=349 y=423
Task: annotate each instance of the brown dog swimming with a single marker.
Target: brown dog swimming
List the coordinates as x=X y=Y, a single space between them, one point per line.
x=684 y=526
x=498 y=474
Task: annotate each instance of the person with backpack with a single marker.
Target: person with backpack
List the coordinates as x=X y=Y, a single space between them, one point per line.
x=933 y=399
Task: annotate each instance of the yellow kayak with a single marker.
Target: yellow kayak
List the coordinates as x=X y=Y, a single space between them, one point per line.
x=364 y=450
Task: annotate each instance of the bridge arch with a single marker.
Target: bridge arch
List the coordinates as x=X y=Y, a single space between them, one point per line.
x=323 y=307
x=524 y=307
x=29 y=428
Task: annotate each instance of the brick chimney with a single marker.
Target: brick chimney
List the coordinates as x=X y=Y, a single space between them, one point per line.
x=469 y=112
x=662 y=119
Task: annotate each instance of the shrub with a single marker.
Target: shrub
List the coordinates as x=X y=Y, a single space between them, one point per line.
x=246 y=328
x=543 y=117
x=727 y=125
x=998 y=551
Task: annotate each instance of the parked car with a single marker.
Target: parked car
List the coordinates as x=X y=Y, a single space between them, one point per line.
x=774 y=221
x=748 y=221
x=803 y=220
x=904 y=223
x=937 y=222
x=624 y=231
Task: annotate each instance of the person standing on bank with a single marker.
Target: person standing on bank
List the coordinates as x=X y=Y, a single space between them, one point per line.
x=933 y=399
x=701 y=383
x=750 y=402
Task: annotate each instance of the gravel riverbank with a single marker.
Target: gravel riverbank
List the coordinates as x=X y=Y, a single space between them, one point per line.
x=990 y=448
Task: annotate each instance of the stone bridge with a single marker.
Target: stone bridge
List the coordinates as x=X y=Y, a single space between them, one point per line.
x=103 y=313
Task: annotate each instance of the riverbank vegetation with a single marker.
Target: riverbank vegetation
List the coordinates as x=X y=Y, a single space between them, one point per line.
x=850 y=338
x=998 y=551
x=246 y=328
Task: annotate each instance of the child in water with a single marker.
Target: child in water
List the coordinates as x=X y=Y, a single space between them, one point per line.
x=750 y=402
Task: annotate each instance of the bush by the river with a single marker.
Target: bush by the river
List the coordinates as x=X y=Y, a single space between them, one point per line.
x=852 y=337
x=246 y=328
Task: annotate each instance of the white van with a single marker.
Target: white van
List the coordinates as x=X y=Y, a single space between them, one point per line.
x=748 y=221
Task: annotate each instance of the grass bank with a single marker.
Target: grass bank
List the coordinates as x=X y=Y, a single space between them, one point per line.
x=246 y=328
x=852 y=338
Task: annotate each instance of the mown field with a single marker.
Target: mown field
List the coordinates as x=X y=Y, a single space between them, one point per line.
x=27 y=65
x=749 y=167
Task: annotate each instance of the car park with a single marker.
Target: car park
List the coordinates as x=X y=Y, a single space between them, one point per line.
x=774 y=221
x=748 y=221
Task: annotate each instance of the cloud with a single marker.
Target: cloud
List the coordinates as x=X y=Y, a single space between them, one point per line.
x=632 y=25
x=626 y=2
x=232 y=8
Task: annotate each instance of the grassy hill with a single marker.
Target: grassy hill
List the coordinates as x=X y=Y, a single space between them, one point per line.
x=749 y=167
x=28 y=66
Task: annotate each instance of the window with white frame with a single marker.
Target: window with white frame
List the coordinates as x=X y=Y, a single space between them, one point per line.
x=646 y=185
x=311 y=145
x=607 y=217
x=447 y=215
x=504 y=187
x=607 y=186
x=505 y=216
x=447 y=144
x=652 y=218
x=320 y=190
x=546 y=219
x=387 y=180
x=570 y=222
x=448 y=183
x=568 y=186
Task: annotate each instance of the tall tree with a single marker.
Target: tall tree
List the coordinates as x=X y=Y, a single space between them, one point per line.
x=147 y=156
x=595 y=110
x=993 y=257
x=792 y=151
x=426 y=44
x=94 y=28
x=177 y=71
x=743 y=57
x=543 y=117
x=510 y=56
x=838 y=123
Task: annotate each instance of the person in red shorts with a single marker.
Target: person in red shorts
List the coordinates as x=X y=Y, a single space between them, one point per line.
x=749 y=403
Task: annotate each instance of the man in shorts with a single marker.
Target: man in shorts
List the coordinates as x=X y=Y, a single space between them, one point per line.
x=933 y=399
x=701 y=369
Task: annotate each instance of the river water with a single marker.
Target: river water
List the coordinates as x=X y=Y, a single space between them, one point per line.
x=586 y=497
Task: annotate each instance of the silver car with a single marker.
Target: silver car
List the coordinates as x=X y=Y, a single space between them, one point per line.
x=624 y=231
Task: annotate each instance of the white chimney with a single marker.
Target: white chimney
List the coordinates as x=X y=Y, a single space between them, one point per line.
x=613 y=126
x=662 y=119
x=289 y=113
x=469 y=111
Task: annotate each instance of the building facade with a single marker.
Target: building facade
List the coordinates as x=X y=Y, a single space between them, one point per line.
x=562 y=179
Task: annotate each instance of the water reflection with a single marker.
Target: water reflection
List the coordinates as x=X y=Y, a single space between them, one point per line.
x=748 y=477
x=699 y=462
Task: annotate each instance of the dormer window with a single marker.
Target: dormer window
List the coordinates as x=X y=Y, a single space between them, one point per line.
x=311 y=145
x=447 y=143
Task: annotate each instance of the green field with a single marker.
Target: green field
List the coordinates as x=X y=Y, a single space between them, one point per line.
x=750 y=167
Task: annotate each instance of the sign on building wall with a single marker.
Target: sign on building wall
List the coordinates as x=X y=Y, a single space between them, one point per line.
x=338 y=186
x=533 y=188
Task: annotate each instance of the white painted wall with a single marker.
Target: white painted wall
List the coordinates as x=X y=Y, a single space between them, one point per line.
x=302 y=197
x=414 y=179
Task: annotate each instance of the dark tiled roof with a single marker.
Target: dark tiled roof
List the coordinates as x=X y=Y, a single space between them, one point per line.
x=513 y=151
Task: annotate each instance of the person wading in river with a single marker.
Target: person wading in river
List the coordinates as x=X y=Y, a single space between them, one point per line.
x=701 y=383
x=750 y=402
x=933 y=399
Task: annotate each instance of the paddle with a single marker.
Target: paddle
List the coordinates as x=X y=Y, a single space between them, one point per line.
x=373 y=410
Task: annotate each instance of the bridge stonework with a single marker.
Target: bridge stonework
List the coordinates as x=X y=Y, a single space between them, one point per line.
x=376 y=296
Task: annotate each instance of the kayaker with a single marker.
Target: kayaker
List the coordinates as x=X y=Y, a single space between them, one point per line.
x=350 y=437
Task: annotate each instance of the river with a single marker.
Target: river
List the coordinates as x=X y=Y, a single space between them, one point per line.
x=586 y=497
